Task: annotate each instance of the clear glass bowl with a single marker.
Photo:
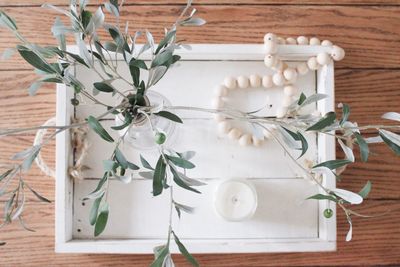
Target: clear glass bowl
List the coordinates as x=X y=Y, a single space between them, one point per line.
x=141 y=133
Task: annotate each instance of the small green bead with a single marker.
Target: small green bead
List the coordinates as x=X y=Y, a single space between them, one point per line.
x=328 y=213
x=160 y=138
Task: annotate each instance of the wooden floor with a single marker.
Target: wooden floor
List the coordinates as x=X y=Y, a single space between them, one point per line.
x=368 y=79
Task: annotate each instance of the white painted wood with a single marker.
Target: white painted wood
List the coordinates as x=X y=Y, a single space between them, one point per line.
x=294 y=225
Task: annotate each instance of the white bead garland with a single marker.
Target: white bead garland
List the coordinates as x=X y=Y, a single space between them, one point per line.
x=283 y=75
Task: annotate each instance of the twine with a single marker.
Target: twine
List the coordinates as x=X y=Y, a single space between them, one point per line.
x=79 y=145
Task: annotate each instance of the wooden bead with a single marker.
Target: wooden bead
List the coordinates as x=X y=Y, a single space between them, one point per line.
x=270 y=37
x=217 y=103
x=270 y=47
x=219 y=117
x=289 y=90
x=255 y=81
x=281 y=112
x=256 y=141
x=234 y=134
x=287 y=101
x=323 y=58
x=326 y=43
x=245 y=140
x=243 y=82
x=290 y=74
x=267 y=81
x=224 y=127
x=315 y=41
x=291 y=41
x=220 y=90
x=302 y=40
x=230 y=83
x=278 y=79
x=302 y=68
x=270 y=61
x=281 y=40
x=312 y=63
x=337 y=53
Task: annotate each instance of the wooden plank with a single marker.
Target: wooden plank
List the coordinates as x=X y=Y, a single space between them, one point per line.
x=376 y=241
x=207 y=2
x=369 y=34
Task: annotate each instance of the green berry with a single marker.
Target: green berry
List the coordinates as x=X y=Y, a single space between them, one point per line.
x=74 y=101
x=328 y=213
x=160 y=138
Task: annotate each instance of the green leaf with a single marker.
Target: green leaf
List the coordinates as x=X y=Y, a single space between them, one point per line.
x=33 y=59
x=138 y=63
x=7 y=21
x=34 y=88
x=364 y=150
x=110 y=165
x=94 y=211
x=391 y=139
x=77 y=58
x=96 y=126
x=121 y=158
x=170 y=35
x=27 y=163
x=135 y=74
x=185 y=252
x=365 y=190
x=346 y=113
x=159 y=176
x=180 y=182
x=323 y=197
x=40 y=197
x=103 y=87
x=160 y=254
x=169 y=115
x=4 y=175
x=304 y=144
x=102 y=219
x=145 y=163
x=86 y=16
x=324 y=122
x=333 y=164
x=180 y=162
x=133 y=166
x=312 y=99
x=128 y=121
x=302 y=98
x=161 y=59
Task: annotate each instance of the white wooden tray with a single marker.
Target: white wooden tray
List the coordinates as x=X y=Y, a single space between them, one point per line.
x=284 y=220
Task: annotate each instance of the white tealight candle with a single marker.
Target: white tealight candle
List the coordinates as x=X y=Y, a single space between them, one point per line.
x=235 y=200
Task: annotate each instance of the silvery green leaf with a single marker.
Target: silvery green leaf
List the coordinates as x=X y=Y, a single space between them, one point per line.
x=391 y=116
x=155 y=74
x=350 y=128
x=126 y=179
x=347 y=151
x=350 y=232
x=391 y=139
x=186 y=46
x=22 y=223
x=349 y=196
x=312 y=99
x=144 y=48
x=288 y=139
x=190 y=181
x=19 y=209
x=188 y=155
x=112 y=9
x=23 y=154
x=193 y=22
x=150 y=40
x=59 y=30
x=168 y=262
x=102 y=219
x=95 y=194
x=109 y=165
x=60 y=10
x=7 y=21
x=147 y=175
x=27 y=163
x=373 y=140
x=83 y=3
x=34 y=88
x=184 y=208
x=84 y=53
x=160 y=253
x=257 y=131
x=365 y=190
x=8 y=53
x=97 y=19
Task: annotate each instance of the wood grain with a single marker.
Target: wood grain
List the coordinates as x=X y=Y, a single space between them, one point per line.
x=203 y=2
x=369 y=34
x=375 y=242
